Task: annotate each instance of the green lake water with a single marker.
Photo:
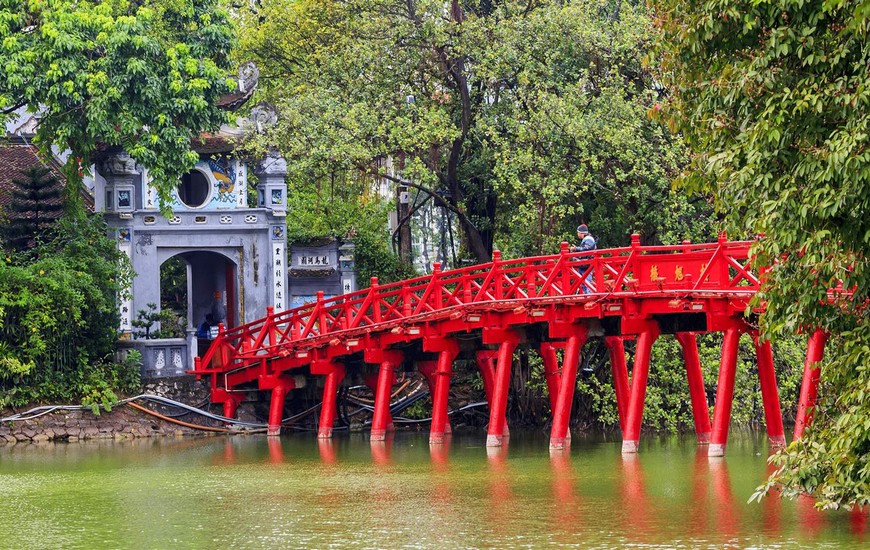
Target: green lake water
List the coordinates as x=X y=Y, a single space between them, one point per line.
x=296 y=492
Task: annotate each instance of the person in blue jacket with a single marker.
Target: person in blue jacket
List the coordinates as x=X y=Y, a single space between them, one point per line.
x=587 y=242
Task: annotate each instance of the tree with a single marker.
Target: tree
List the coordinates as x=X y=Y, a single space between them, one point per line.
x=144 y=75
x=59 y=318
x=34 y=208
x=773 y=98
x=523 y=119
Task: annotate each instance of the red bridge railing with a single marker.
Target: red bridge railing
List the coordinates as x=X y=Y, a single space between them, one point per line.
x=719 y=269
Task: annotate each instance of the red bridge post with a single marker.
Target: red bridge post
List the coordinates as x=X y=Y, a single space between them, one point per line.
x=810 y=384
x=567 y=386
x=769 y=392
x=389 y=362
x=616 y=350
x=508 y=342
x=552 y=374
x=447 y=351
x=639 y=375
x=697 y=392
x=280 y=386
x=486 y=363
x=328 y=405
x=724 y=392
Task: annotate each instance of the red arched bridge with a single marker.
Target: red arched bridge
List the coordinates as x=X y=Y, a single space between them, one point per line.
x=485 y=311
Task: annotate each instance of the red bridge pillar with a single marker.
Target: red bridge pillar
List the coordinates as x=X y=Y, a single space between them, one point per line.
x=328 y=405
x=700 y=409
x=508 y=341
x=567 y=386
x=279 y=385
x=447 y=351
x=552 y=375
x=810 y=384
x=639 y=375
x=231 y=401
x=487 y=360
x=769 y=392
x=616 y=350
x=388 y=361
x=724 y=392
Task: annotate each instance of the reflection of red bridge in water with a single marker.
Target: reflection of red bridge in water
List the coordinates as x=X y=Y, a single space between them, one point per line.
x=485 y=311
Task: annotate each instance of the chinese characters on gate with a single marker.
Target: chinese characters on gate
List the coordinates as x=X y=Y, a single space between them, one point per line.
x=309 y=261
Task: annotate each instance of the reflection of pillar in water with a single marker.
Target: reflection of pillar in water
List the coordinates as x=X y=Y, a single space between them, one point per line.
x=858 y=521
x=811 y=520
x=727 y=522
x=326 y=447
x=771 y=508
x=634 y=497
x=442 y=495
x=382 y=450
x=229 y=451
x=440 y=455
x=276 y=453
x=699 y=514
x=500 y=494
x=564 y=499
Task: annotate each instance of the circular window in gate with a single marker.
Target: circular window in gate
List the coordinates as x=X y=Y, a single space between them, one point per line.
x=195 y=189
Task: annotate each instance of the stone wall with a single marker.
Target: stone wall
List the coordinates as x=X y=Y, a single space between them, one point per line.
x=123 y=422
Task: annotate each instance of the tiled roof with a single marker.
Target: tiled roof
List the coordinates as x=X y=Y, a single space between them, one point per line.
x=15 y=157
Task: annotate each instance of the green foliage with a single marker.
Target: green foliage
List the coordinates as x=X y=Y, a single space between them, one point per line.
x=170 y=324
x=58 y=316
x=34 y=207
x=773 y=98
x=521 y=118
x=97 y=387
x=143 y=75
x=334 y=211
x=173 y=284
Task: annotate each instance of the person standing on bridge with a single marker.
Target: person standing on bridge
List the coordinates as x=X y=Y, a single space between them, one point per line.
x=587 y=242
